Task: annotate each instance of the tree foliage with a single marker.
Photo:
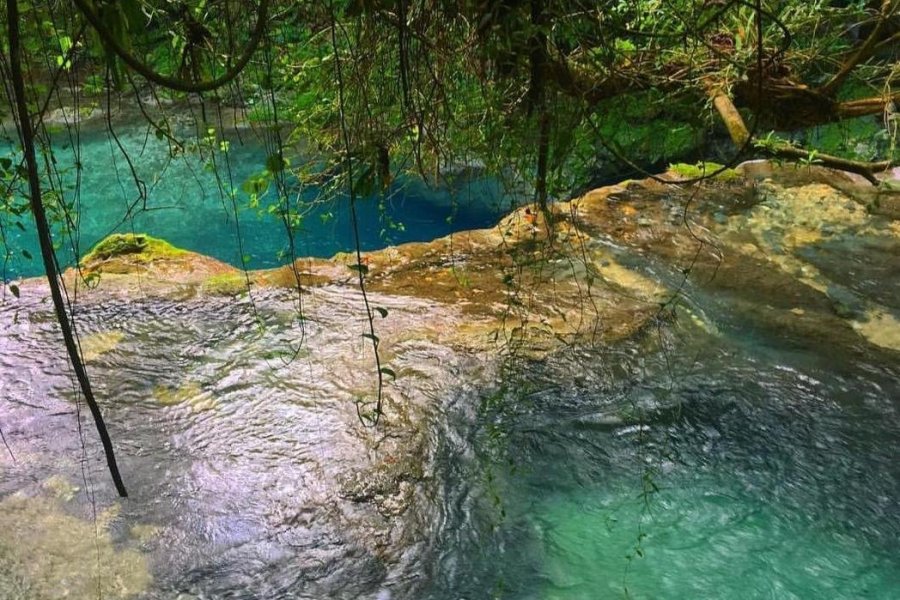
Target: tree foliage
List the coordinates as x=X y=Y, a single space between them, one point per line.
x=529 y=85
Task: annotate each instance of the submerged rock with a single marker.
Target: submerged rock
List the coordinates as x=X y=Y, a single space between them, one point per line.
x=97 y=344
x=46 y=554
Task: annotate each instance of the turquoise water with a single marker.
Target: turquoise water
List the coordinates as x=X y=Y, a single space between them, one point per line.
x=754 y=472
x=188 y=204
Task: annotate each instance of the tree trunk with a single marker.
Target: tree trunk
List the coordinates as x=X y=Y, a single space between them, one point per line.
x=26 y=135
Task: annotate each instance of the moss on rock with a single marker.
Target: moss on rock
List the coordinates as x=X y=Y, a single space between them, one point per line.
x=702 y=169
x=139 y=247
x=225 y=284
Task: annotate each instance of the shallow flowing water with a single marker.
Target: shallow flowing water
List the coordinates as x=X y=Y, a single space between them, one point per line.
x=749 y=472
x=719 y=468
x=233 y=440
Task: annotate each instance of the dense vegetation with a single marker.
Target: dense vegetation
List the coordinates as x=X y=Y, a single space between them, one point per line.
x=544 y=91
x=540 y=86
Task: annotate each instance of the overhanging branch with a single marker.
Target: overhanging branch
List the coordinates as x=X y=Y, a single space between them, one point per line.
x=175 y=83
x=739 y=133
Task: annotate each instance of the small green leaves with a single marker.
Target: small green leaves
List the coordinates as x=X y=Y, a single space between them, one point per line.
x=65 y=44
x=14 y=289
x=92 y=279
x=360 y=267
x=389 y=372
x=382 y=311
x=26 y=254
x=371 y=336
x=256 y=184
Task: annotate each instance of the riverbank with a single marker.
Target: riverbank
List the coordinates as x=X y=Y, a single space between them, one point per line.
x=758 y=237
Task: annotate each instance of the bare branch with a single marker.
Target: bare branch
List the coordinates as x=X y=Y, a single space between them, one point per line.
x=865 y=50
x=26 y=135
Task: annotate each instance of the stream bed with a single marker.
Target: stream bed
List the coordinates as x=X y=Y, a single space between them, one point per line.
x=708 y=467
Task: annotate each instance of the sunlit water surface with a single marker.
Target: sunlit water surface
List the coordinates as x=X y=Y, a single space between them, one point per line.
x=717 y=469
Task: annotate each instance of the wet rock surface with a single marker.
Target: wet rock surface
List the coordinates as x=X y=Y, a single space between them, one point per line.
x=212 y=371
x=801 y=239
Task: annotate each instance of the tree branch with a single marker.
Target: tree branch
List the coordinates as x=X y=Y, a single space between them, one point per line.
x=175 y=83
x=865 y=51
x=739 y=133
x=865 y=106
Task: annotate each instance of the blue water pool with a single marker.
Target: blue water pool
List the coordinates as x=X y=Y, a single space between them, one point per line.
x=187 y=202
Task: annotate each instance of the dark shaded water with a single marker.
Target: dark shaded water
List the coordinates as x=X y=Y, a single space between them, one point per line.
x=753 y=473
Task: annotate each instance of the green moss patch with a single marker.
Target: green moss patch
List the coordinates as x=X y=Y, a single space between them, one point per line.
x=227 y=284
x=702 y=169
x=139 y=247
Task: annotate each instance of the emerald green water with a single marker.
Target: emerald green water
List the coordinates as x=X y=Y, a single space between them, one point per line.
x=188 y=203
x=753 y=472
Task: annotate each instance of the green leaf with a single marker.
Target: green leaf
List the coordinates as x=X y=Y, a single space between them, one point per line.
x=92 y=279
x=389 y=372
x=382 y=311
x=364 y=269
x=371 y=336
x=255 y=185
x=14 y=289
x=26 y=254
